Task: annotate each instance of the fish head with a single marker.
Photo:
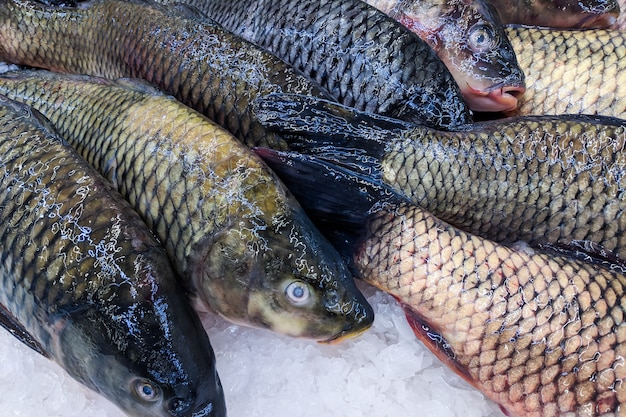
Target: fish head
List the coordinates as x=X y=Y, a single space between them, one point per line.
x=470 y=40
x=144 y=348
x=276 y=271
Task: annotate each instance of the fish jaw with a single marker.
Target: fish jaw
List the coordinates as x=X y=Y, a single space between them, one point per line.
x=495 y=99
x=300 y=287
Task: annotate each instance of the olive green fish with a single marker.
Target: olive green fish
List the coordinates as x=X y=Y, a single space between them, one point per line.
x=543 y=180
x=237 y=236
x=469 y=38
x=571 y=71
x=174 y=48
x=84 y=282
x=360 y=56
x=566 y=14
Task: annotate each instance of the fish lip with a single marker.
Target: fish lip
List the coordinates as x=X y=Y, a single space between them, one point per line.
x=501 y=97
x=344 y=335
x=596 y=21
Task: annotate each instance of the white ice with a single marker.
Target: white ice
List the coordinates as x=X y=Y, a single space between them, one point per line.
x=384 y=372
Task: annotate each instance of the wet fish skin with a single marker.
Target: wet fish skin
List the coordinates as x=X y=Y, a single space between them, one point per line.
x=566 y=14
x=541 y=335
x=361 y=57
x=539 y=179
x=569 y=71
x=84 y=282
x=185 y=55
x=469 y=38
x=237 y=236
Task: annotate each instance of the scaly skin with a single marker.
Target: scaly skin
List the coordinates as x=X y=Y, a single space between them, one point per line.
x=570 y=71
x=193 y=59
x=469 y=38
x=360 y=56
x=542 y=180
x=234 y=232
x=544 y=336
x=85 y=283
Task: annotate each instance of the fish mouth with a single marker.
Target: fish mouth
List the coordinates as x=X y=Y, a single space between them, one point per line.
x=497 y=98
x=344 y=335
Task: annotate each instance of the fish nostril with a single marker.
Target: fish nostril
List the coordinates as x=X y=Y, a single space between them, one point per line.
x=178 y=406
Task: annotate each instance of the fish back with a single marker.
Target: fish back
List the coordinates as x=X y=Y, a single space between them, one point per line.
x=361 y=57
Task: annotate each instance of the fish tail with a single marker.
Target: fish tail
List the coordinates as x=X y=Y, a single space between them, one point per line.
x=339 y=198
x=310 y=122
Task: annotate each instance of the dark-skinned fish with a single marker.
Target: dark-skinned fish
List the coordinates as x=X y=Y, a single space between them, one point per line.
x=469 y=38
x=360 y=56
x=85 y=283
x=566 y=14
x=241 y=242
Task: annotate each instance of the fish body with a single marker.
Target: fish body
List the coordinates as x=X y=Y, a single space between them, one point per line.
x=238 y=238
x=360 y=56
x=85 y=283
x=571 y=71
x=468 y=37
x=565 y=14
x=542 y=179
x=179 y=51
x=542 y=335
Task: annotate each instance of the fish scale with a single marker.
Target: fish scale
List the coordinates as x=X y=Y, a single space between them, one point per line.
x=571 y=71
x=361 y=57
x=176 y=49
x=541 y=335
x=539 y=179
x=235 y=234
x=84 y=282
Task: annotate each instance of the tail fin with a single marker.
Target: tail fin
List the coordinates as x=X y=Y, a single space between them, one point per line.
x=317 y=122
x=337 y=197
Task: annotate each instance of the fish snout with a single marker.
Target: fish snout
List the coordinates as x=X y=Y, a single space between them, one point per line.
x=358 y=313
x=500 y=98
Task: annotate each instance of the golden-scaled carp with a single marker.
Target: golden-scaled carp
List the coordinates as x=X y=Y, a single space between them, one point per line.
x=571 y=71
x=182 y=53
x=84 y=282
x=359 y=55
x=469 y=38
x=542 y=335
x=543 y=179
x=237 y=236
x=567 y=14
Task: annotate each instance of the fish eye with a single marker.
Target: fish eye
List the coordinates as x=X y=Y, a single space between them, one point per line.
x=481 y=38
x=145 y=390
x=298 y=293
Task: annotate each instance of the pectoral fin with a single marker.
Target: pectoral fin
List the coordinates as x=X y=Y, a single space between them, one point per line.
x=9 y=322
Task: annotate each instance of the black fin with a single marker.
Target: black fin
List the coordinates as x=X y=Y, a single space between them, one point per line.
x=589 y=252
x=330 y=193
x=9 y=322
x=323 y=122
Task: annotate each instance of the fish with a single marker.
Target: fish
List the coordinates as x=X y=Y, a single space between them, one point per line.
x=240 y=241
x=470 y=40
x=360 y=56
x=544 y=180
x=561 y=14
x=620 y=22
x=571 y=71
x=541 y=333
x=175 y=48
x=85 y=283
